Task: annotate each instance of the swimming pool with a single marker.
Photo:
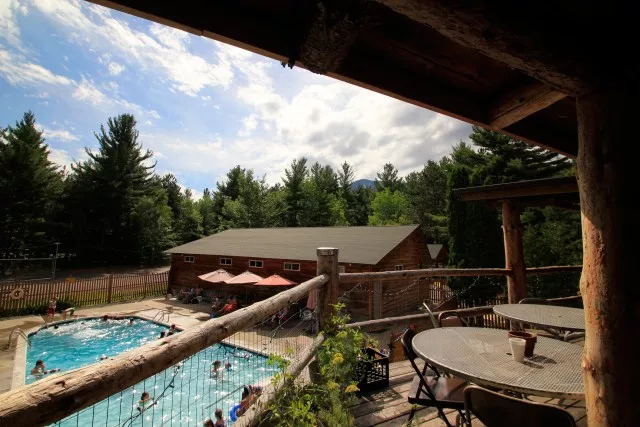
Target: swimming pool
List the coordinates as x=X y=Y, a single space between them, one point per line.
x=79 y=343
x=185 y=394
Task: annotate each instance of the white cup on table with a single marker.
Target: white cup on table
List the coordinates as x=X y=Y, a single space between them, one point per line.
x=517 y=348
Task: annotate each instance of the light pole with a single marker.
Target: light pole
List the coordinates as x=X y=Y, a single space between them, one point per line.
x=55 y=260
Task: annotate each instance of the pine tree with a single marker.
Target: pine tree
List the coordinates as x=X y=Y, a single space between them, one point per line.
x=293 y=185
x=107 y=187
x=388 y=179
x=30 y=188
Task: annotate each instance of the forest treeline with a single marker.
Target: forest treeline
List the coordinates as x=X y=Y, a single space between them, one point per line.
x=113 y=208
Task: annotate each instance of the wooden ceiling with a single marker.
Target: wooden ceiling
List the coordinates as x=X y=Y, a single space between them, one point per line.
x=520 y=76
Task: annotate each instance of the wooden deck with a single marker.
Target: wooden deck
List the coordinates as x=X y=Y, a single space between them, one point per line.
x=389 y=407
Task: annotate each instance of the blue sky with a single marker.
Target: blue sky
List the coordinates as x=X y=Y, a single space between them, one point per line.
x=202 y=106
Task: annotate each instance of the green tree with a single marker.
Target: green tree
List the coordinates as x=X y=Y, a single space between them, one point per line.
x=106 y=188
x=293 y=184
x=427 y=194
x=30 y=188
x=151 y=219
x=388 y=179
x=360 y=209
x=206 y=208
x=389 y=208
x=187 y=225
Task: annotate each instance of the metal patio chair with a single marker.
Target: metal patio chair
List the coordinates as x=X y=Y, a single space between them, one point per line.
x=432 y=390
x=497 y=410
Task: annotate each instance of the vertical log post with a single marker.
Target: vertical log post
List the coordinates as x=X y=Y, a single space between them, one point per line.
x=607 y=178
x=377 y=299
x=328 y=294
x=514 y=252
x=109 y=288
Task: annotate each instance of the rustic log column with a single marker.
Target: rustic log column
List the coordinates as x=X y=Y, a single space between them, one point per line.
x=328 y=294
x=514 y=252
x=608 y=177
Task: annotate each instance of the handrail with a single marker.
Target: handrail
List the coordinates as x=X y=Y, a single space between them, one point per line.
x=394 y=321
x=553 y=269
x=429 y=272
x=57 y=396
x=20 y=333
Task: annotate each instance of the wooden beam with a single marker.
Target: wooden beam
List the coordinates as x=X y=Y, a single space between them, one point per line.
x=552 y=48
x=522 y=103
x=514 y=252
x=328 y=295
x=430 y=272
x=370 y=325
x=513 y=190
x=608 y=173
x=553 y=269
x=57 y=396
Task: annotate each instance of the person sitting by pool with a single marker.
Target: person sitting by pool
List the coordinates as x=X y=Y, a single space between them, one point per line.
x=105 y=317
x=145 y=401
x=249 y=395
x=217 y=304
x=163 y=334
x=216 y=371
x=230 y=306
x=219 y=419
x=173 y=328
x=68 y=313
x=40 y=369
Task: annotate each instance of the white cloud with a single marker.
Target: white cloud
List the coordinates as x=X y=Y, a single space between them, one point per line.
x=9 y=28
x=154 y=114
x=87 y=91
x=206 y=98
x=58 y=134
x=249 y=124
x=60 y=157
x=148 y=123
x=39 y=95
x=164 y=50
x=19 y=71
x=115 y=69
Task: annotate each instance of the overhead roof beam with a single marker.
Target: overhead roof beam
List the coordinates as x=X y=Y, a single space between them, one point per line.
x=553 y=52
x=522 y=103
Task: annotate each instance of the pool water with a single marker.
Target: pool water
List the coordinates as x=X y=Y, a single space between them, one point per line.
x=83 y=342
x=184 y=395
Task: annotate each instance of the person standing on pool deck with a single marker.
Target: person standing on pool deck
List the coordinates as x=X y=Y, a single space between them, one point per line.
x=51 y=309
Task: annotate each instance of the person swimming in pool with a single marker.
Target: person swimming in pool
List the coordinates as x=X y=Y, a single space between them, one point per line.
x=130 y=321
x=145 y=401
x=40 y=369
x=216 y=371
x=227 y=366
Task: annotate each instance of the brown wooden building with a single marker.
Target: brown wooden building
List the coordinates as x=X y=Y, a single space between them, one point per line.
x=291 y=253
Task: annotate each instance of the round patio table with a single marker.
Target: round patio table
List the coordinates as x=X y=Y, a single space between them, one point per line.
x=483 y=356
x=551 y=316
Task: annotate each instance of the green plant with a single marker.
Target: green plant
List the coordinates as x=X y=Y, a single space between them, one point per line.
x=327 y=401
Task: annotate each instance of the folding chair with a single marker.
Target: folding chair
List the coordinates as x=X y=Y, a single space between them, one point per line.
x=448 y=319
x=497 y=410
x=432 y=390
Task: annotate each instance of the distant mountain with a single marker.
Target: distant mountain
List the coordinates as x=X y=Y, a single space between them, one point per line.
x=362 y=183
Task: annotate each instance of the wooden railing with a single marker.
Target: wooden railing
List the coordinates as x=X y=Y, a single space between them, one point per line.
x=16 y=297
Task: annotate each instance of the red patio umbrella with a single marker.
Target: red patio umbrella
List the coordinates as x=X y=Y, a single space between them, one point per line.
x=218 y=276
x=275 y=280
x=246 y=278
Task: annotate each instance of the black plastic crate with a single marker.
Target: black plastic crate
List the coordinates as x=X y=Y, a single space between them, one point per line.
x=373 y=372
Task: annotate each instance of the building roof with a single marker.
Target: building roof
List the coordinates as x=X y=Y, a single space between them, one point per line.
x=358 y=245
x=434 y=250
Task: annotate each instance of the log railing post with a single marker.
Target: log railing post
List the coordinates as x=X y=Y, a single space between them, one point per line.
x=514 y=252
x=607 y=179
x=328 y=294
x=377 y=299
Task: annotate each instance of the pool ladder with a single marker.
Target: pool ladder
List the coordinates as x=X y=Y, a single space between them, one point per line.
x=159 y=317
x=19 y=333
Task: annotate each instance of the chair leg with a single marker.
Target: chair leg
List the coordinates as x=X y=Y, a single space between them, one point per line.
x=443 y=416
x=412 y=413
